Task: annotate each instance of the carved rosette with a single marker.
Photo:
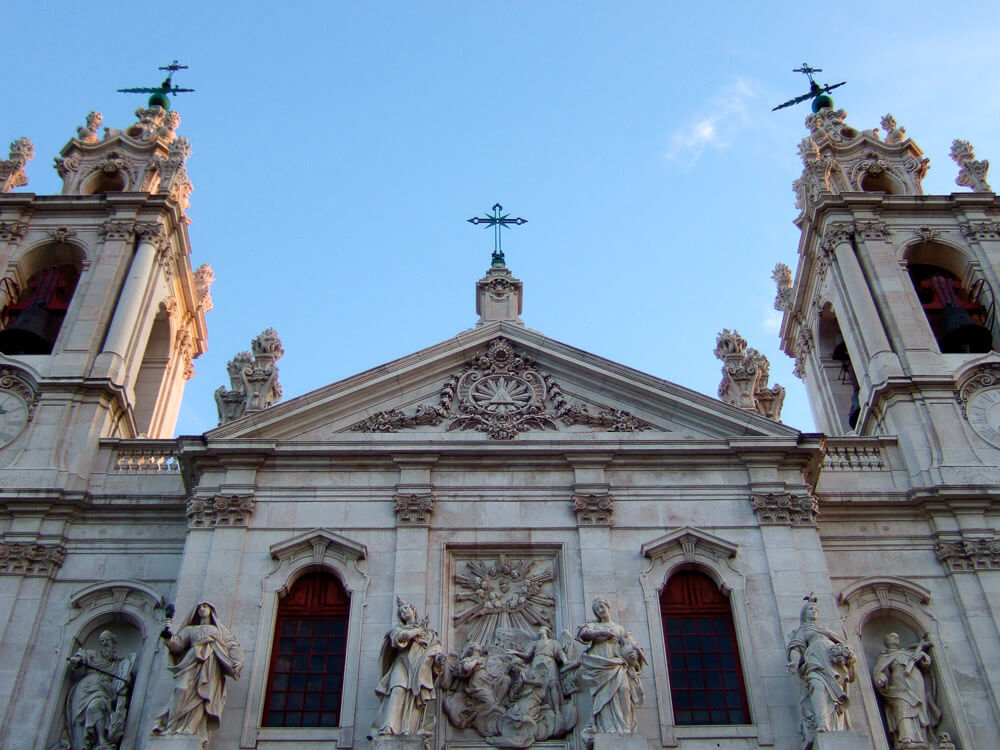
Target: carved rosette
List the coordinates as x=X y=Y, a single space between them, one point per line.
x=413 y=509
x=503 y=592
x=31 y=559
x=969 y=555
x=221 y=510
x=593 y=509
x=784 y=509
x=502 y=393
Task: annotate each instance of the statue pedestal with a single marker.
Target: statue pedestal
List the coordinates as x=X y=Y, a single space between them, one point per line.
x=173 y=742
x=608 y=741
x=842 y=741
x=398 y=742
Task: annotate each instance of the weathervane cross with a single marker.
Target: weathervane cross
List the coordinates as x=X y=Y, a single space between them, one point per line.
x=498 y=221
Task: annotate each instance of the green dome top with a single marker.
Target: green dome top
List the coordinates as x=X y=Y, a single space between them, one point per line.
x=159 y=100
x=822 y=102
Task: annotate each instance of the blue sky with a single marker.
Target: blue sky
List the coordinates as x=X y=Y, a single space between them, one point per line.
x=339 y=147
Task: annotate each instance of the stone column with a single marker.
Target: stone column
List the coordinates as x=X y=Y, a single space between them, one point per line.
x=152 y=240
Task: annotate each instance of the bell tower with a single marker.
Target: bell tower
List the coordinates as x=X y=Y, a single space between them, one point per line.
x=101 y=313
x=891 y=318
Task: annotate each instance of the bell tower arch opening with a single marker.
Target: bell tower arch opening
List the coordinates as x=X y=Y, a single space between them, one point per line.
x=961 y=315
x=840 y=378
x=36 y=296
x=149 y=382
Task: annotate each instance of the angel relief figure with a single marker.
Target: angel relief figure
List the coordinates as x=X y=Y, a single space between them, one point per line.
x=515 y=692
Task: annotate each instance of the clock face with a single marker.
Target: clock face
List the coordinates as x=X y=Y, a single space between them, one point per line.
x=983 y=411
x=13 y=416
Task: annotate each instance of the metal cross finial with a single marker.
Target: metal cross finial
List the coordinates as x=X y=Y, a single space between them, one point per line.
x=498 y=221
x=808 y=71
x=159 y=93
x=815 y=90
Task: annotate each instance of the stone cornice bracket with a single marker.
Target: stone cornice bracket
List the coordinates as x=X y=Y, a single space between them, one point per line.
x=116 y=229
x=12 y=174
x=968 y=555
x=253 y=379
x=220 y=510
x=980 y=230
x=593 y=509
x=971 y=172
x=784 y=509
x=413 y=508
x=11 y=231
x=31 y=559
x=745 y=374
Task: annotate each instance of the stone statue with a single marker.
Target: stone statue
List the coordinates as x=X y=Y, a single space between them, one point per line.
x=514 y=693
x=203 y=655
x=97 y=702
x=412 y=660
x=903 y=678
x=611 y=667
x=824 y=664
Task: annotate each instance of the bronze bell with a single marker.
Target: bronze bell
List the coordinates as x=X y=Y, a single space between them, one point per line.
x=960 y=334
x=29 y=333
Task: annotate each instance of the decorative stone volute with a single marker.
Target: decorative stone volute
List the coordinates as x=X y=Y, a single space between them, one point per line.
x=499 y=296
x=837 y=158
x=782 y=276
x=972 y=172
x=745 y=373
x=146 y=157
x=12 y=173
x=253 y=379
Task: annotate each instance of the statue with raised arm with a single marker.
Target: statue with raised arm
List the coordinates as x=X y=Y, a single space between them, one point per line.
x=203 y=656
x=824 y=664
x=611 y=666
x=97 y=702
x=903 y=678
x=412 y=660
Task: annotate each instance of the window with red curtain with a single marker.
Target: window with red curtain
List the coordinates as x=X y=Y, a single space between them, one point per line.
x=706 y=681
x=306 y=677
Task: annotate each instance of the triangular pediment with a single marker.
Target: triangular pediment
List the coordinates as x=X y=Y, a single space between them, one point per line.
x=501 y=382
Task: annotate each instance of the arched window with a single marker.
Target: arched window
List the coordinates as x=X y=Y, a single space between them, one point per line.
x=306 y=677
x=703 y=661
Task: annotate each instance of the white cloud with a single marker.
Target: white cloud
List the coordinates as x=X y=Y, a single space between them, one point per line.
x=715 y=126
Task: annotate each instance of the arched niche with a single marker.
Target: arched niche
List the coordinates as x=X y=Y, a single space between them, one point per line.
x=133 y=612
x=881 y=182
x=878 y=606
x=957 y=301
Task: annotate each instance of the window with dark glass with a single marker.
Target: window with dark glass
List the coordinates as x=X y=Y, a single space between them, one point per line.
x=706 y=681
x=306 y=677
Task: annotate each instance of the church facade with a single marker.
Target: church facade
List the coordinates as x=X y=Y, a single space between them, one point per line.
x=501 y=540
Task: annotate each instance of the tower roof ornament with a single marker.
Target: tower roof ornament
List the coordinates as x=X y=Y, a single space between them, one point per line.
x=158 y=94
x=498 y=221
x=819 y=94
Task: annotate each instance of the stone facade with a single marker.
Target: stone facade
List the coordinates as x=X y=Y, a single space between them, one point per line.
x=502 y=514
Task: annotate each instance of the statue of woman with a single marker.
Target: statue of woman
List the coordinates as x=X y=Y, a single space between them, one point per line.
x=202 y=654
x=611 y=667
x=902 y=676
x=824 y=664
x=98 y=701
x=412 y=660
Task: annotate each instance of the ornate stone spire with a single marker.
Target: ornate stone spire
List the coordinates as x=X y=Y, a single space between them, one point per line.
x=499 y=295
x=147 y=157
x=253 y=379
x=12 y=169
x=972 y=172
x=745 y=373
x=837 y=158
